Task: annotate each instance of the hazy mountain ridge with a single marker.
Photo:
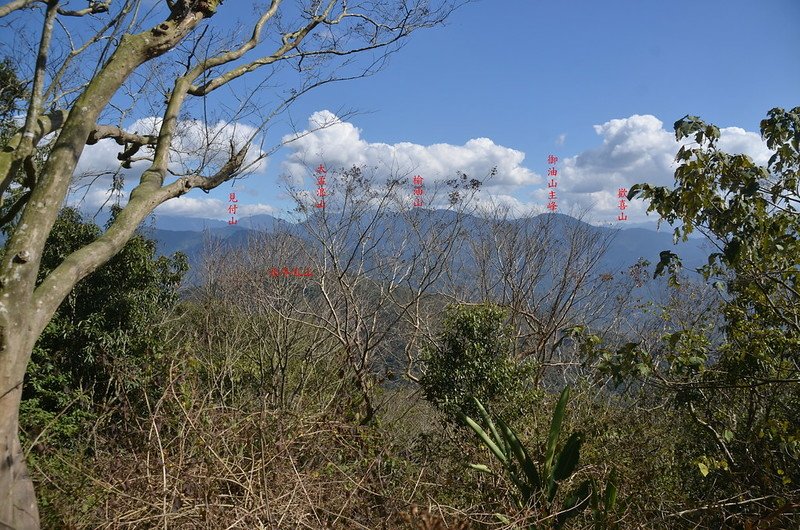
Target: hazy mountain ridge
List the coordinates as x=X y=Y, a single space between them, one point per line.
x=626 y=248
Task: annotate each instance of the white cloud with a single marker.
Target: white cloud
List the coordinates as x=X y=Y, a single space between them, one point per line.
x=90 y=200
x=192 y=207
x=210 y=208
x=101 y=157
x=630 y=150
x=514 y=205
x=634 y=149
x=737 y=140
x=197 y=146
x=338 y=144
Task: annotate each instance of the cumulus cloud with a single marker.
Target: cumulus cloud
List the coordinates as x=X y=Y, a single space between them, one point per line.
x=101 y=157
x=210 y=208
x=196 y=148
x=198 y=145
x=337 y=143
x=95 y=198
x=489 y=203
x=629 y=150
x=737 y=140
x=635 y=149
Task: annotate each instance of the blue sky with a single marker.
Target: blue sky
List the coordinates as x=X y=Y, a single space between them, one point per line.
x=505 y=83
x=522 y=72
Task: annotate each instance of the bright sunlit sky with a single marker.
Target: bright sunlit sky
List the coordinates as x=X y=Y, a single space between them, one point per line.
x=506 y=82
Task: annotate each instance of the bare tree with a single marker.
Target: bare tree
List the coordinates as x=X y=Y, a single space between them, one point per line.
x=376 y=259
x=85 y=63
x=544 y=270
x=287 y=364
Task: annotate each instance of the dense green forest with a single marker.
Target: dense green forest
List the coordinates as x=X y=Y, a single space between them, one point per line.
x=402 y=386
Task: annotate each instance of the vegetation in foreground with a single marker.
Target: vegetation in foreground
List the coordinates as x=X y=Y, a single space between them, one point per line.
x=350 y=402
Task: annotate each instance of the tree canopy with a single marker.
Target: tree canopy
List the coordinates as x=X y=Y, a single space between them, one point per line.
x=91 y=71
x=740 y=380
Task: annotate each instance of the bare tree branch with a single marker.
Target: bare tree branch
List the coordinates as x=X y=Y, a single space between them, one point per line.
x=14 y=5
x=95 y=7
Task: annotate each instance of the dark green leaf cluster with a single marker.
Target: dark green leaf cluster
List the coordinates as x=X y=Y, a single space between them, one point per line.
x=12 y=90
x=101 y=342
x=538 y=483
x=472 y=357
x=739 y=382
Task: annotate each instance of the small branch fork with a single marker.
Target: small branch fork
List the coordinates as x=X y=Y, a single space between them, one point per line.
x=94 y=8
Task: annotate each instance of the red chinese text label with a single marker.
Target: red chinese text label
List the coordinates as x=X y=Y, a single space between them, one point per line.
x=552 y=184
x=320 y=174
x=419 y=190
x=622 y=195
x=233 y=208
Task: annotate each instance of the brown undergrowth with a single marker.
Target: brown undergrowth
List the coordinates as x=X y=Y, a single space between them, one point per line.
x=193 y=463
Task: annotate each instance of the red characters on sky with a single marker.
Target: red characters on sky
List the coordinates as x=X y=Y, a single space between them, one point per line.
x=419 y=190
x=622 y=194
x=233 y=207
x=319 y=174
x=552 y=172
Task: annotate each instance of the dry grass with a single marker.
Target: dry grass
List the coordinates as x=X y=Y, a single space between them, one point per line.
x=195 y=464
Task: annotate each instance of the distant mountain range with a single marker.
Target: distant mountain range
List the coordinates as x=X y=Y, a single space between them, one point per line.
x=188 y=235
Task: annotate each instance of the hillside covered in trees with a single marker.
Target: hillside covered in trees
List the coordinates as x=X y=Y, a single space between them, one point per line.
x=407 y=352
x=345 y=397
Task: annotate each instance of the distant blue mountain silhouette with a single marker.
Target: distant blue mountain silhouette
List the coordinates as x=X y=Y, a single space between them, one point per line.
x=174 y=233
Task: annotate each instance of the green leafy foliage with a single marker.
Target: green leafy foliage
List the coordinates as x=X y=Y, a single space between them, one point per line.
x=102 y=340
x=538 y=483
x=12 y=90
x=472 y=357
x=739 y=382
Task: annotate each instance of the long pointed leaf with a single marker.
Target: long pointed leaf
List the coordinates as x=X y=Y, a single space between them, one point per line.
x=566 y=462
x=502 y=518
x=525 y=491
x=488 y=421
x=486 y=440
x=568 y=458
x=521 y=455
x=555 y=431
x=595 y=504
x=610 y=496
x=480 y=467
x=576 y=501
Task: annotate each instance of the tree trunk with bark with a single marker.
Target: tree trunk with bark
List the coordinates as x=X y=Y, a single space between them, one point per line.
x=18 y=502
x=39 y=190
x=25 y=308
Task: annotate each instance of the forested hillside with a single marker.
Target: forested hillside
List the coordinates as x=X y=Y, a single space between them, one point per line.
x=329 y=378
x=422 y=338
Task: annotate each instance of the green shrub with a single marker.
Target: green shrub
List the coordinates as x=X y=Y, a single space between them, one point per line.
x=473 y=357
